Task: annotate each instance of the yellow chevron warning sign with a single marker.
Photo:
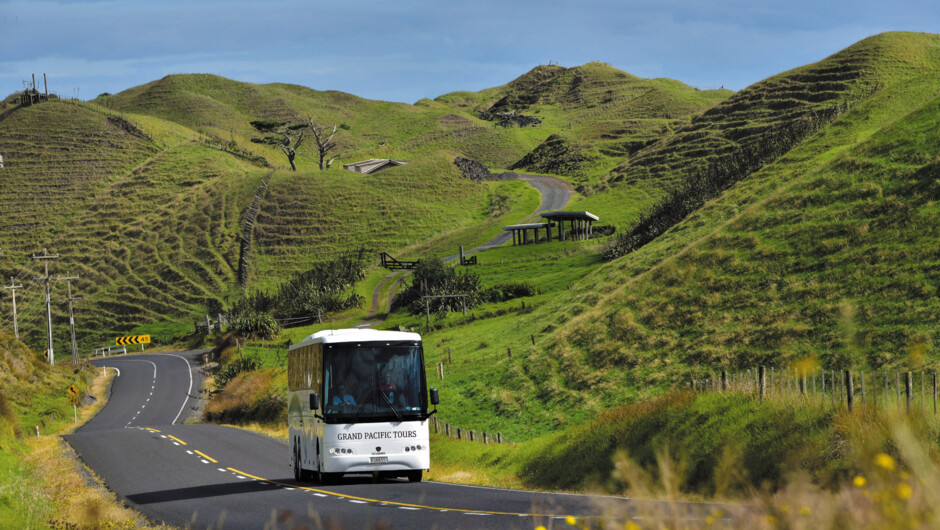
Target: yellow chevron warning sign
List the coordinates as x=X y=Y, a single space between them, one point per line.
x=132 y=339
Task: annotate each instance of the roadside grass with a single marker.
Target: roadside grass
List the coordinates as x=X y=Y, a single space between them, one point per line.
x=41 y=483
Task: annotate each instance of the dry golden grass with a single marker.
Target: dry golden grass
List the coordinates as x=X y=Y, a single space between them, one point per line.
x=78 y=504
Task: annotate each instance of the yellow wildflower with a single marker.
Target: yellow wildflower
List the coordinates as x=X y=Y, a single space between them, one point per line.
x=805 y=510
x=885 y=462
x=859 y=481
x=904 y=491
x=571 y=520
x=630 y=525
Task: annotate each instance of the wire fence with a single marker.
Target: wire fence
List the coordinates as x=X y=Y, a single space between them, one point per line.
x=440 y=426
x=910 y=391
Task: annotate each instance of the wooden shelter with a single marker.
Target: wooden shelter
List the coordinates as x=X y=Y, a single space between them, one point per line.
x=580 y=224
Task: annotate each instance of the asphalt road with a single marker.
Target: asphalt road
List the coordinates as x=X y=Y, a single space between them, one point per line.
x=201 y=476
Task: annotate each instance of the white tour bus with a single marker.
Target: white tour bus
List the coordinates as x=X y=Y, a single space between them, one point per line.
x=358 y=403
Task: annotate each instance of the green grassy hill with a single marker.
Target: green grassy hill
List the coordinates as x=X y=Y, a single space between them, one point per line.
x=601 y=115
x=144 y=194
x=829 y=251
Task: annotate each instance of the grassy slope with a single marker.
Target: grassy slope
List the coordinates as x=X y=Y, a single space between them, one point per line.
x=30 y=393
x=41 y=485
x=153 y=228
x=598 y=114
x=150 y=215
x=830 y=250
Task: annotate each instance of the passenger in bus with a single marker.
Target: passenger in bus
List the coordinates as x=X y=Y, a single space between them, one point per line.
x=342 y=397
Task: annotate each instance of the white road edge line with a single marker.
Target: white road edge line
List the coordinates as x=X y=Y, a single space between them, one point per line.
x=188 y=392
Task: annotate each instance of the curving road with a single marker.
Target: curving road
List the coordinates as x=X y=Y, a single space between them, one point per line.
x=208 y=475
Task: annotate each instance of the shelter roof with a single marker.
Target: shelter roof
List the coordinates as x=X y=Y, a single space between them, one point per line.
x=526 y=226
x=569 y=216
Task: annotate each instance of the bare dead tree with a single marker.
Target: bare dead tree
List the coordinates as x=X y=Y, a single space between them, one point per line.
x=325 y=143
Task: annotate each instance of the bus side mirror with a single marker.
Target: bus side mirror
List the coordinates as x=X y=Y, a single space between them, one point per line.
x=435 y=399
x=314 y=401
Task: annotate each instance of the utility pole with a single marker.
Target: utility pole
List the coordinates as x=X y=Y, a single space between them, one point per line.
x=13 y=287
x=45 y=259
x=71 y=299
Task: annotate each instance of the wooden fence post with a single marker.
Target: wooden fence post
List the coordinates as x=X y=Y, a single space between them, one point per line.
x=862 y=374
x=724 y=380
x=849 y=390
x=458 y=433
x=886 y=390
x=761 y=380
x=935 y=392
x=908 y=389
x=499 y=438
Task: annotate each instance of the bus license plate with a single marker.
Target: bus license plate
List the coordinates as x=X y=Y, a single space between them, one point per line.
x=378 y=459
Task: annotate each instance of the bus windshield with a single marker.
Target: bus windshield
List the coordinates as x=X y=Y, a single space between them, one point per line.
x=374 y=381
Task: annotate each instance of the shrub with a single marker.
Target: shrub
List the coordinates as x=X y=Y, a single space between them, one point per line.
x=504 y=291
x=433 y=277
x=250 y=322
x=238 y=365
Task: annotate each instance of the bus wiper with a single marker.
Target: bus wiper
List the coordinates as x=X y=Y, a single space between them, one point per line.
x=365 y=402
x=389 y=402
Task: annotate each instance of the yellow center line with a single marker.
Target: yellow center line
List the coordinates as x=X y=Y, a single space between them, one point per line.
x=207 y=457
x=151 y=430
x=175 y=438
x=393 y=503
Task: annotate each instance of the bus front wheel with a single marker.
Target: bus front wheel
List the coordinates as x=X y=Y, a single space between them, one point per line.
x=415 y=475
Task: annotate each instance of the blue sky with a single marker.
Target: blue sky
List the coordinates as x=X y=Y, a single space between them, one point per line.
x=404 y=50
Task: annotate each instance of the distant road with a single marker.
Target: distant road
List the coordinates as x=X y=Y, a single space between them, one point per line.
x=555 y=194
x=208 y=475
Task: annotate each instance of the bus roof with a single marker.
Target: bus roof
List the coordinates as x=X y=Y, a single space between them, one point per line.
x=356 y=335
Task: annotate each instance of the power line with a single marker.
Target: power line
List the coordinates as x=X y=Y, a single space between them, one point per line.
x=45 y=259
x=12 y=288
x=68 y=279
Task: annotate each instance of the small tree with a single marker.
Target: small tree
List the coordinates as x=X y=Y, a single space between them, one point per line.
x=287 y=137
